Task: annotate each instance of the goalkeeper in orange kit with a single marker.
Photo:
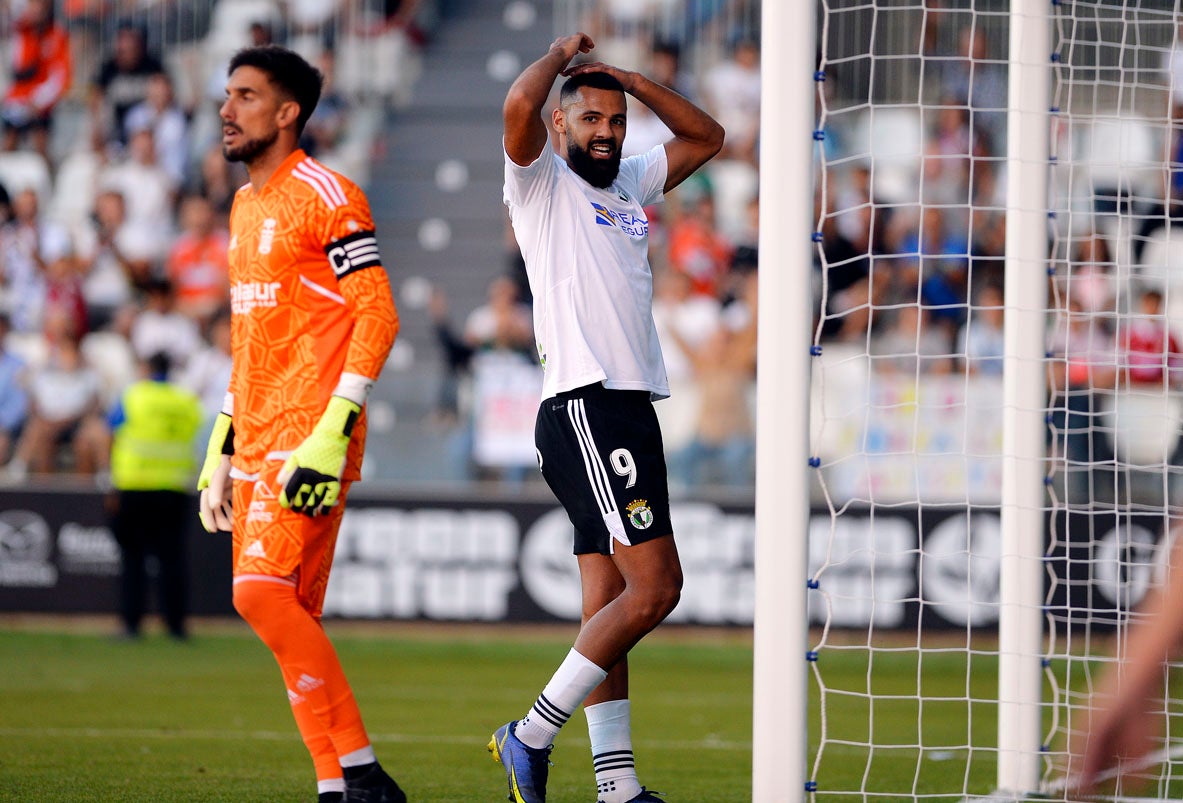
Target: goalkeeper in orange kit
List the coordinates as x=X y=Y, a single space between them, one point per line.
x=313 y=321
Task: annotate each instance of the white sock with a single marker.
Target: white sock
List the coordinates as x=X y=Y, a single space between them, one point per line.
x=610 y=730
x=573 y=681
x=330 y=785
x=358 y=758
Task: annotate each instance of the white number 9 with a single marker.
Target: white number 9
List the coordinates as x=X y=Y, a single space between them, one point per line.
x=622 y=464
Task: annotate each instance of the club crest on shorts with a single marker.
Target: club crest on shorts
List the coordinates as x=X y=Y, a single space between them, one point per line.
x=639 y=514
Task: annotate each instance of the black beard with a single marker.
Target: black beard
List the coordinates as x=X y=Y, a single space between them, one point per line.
x=596 y=172
x=251 y=149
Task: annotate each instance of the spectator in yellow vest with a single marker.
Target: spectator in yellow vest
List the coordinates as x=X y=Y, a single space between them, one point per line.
x=152 y=469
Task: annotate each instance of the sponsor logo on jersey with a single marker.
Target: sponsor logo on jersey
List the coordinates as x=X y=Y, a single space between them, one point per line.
x=627 y=222
x=258 y=510
x=245 y=296
x=353 y=252
x=255 y=550
x=604 y=215
x=267 y=236
x=639 y=514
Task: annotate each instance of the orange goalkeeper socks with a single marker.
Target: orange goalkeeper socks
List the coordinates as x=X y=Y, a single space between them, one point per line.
x=316 y=738
x=322 y=701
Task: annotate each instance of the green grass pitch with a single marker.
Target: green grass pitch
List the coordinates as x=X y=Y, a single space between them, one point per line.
x=84 y=717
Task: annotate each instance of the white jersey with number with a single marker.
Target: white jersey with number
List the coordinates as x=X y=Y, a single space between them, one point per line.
x=586 y=254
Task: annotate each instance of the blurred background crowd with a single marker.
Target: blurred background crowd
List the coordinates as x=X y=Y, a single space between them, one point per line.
x=115 y=199
x=911 y=217
x=116 y=196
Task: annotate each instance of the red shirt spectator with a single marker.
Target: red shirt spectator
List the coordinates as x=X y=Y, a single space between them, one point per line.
x=41 y=70
x=1151 y=352
x=698 y=250
x=63 y=295
x=197 y=262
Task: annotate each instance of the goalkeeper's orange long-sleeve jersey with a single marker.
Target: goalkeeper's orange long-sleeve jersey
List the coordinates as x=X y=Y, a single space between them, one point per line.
x=310 y=300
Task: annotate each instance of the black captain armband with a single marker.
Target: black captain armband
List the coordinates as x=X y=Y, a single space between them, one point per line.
x=353 y=252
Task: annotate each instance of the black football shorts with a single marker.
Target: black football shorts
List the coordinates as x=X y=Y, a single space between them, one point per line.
x=600 y=451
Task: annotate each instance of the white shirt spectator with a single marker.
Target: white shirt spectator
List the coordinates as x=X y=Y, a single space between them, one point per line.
x=146 y=187
x=732 y=93
x=154 y=331
x=645 y=131
x=170 y=134
x=693 y=316
x=984 y=345
x=62 y=395
x=208 y=376
x=21 y=246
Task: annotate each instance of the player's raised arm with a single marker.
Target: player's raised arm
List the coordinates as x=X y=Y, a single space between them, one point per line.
x=697 y=137
x=525 y=131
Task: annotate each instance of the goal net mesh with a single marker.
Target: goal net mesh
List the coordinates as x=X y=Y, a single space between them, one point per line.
x=910 y=177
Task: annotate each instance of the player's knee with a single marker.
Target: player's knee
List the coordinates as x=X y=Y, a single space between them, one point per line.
x=253 y=602
x=659 y=601
x=244 y=602
x=595 y=600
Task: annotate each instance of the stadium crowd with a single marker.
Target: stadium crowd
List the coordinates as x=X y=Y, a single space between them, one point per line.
x=115 y=197
x=114 y=194
x=909 y=263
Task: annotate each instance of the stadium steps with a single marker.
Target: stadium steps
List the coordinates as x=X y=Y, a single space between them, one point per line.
x=454 y=114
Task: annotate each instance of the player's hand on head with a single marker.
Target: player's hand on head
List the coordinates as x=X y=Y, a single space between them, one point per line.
x=626 y=78
x=310 y=480
x=573 y=44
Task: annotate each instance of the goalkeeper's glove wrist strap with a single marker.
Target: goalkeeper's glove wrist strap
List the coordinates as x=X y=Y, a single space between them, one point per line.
x=340 y=416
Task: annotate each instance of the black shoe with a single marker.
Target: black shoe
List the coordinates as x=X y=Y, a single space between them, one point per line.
x=373 y=787
x=330 y=797
x=647 y=797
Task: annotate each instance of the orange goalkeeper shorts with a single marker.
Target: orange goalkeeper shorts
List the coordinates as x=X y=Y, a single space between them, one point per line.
x=272 y=541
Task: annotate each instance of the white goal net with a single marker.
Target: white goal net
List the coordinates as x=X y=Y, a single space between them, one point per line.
x=969 y=575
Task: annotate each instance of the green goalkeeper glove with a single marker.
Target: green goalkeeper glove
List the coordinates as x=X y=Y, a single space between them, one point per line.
x=214 y=479
x=311 y=478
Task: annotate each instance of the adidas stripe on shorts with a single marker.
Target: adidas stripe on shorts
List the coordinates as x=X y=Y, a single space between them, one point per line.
x=601 y=453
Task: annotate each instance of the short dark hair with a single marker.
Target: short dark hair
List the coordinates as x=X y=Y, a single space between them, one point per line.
x=159 y=363
x=595 y=80
x=289 y=71
x=668 y=47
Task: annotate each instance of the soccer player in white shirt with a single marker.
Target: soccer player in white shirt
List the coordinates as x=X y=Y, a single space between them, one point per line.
x=579 y=219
